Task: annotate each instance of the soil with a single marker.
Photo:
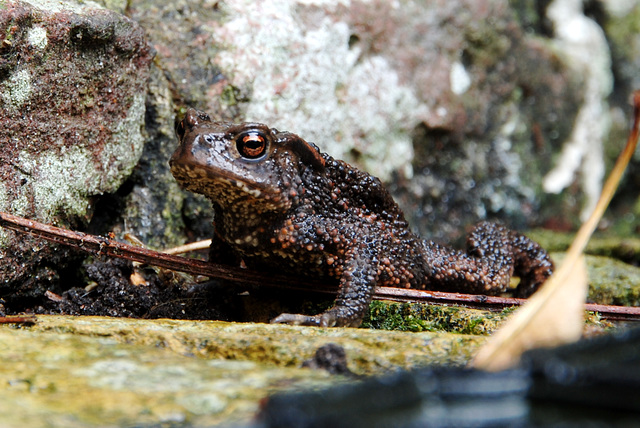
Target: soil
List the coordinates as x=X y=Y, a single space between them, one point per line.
x=118 y=288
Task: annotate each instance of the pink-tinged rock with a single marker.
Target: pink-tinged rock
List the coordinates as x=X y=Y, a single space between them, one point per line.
x=72 y=100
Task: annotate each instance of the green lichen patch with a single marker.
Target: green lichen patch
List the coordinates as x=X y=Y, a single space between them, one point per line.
x=368 y=351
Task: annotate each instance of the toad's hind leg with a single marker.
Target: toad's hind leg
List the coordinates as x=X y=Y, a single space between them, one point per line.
x=494 y=254
x=531 y=262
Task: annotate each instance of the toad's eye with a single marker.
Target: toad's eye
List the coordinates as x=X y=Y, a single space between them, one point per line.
x=252 y=144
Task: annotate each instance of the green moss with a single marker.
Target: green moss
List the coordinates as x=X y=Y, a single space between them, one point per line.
x=612 y=282
x=417 y=317
x=485 y=43
x=231 y=95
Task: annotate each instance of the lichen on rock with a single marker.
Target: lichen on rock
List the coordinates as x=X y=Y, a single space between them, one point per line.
x=72 y=84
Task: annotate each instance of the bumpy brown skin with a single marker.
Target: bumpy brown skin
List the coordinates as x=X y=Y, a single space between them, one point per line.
x=283 y=206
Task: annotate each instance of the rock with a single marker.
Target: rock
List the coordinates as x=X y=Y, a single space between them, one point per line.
x=72 y=84
x=458 y=96
x=151 y=205
x=92 y=371
x=612 y=282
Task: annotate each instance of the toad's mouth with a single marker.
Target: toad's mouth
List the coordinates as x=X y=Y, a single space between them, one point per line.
x=223 y=185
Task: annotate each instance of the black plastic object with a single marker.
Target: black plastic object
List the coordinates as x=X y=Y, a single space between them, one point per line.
x=594 y=382
x=591 y=380
x=434 y=398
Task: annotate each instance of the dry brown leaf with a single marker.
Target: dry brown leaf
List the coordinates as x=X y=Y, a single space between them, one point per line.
x=549 y=317
x=137 y=279
x=552 y=316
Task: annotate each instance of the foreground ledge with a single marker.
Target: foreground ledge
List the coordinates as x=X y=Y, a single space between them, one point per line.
x=99 y=371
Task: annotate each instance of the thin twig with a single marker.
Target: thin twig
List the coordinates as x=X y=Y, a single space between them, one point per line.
x=103 y=246
x=18 y=319
x=100 y=246
x=187 y=248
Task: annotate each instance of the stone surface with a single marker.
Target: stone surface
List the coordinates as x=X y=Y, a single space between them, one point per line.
x=72 y=90
x=91 y=371
x=151 y=205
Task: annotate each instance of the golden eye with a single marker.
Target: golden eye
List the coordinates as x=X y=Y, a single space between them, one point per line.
x=252 y=144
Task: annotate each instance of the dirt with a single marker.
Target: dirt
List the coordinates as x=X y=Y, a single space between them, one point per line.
x=117 y=288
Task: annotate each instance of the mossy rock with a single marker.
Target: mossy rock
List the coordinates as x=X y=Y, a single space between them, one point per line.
x=423 y=317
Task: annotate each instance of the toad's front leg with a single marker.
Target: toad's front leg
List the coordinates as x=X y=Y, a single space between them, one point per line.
x=357 y=286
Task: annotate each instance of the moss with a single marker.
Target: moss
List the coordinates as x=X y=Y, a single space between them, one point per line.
x=231 y=95
x=612 y=282
x=418 y=317
x=485 y=43
x=415 y=317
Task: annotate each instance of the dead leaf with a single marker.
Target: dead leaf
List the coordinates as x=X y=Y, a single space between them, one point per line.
x=552 y=316
x=137 y=279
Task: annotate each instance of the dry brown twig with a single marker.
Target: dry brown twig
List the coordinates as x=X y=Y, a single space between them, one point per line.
x=101 y=246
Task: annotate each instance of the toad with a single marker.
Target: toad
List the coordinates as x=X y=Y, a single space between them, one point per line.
x=281 y=205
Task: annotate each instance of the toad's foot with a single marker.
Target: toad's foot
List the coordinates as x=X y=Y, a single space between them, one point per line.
x=334 y=317
x=299 y=319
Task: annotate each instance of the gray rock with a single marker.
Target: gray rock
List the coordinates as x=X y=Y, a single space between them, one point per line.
x=460 y=106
